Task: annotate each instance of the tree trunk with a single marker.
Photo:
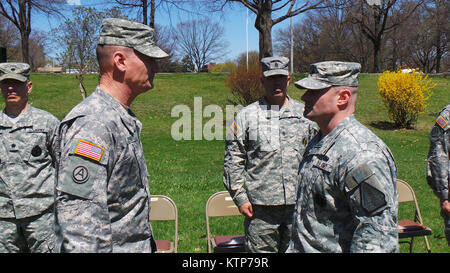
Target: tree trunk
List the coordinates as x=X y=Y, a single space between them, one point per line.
x=25 y=28
x=25 y=49
x=376 y=56
x=144 y=12
x=152 y=13
x=263 y=24
x=81 y=85
x=438 y=53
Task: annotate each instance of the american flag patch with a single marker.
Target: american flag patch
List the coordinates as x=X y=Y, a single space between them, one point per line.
x=441 y=122
x=89 y=150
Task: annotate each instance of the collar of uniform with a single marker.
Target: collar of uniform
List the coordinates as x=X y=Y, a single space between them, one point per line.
x=127 y=116
x=24 y=119
x=325 y=143
x=286 y=110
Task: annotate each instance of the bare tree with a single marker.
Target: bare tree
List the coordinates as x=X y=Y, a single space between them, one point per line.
x=9 y=35
x=201 y=40
x=439 y=13
x=271 y=12
x=77 y=37
x=152 y=5
x=376 y=20
x=19 y=13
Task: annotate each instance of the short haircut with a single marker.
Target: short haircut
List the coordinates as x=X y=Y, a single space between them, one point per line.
x=105 y=55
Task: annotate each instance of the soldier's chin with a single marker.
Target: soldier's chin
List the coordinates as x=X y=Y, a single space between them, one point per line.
x=307 y=113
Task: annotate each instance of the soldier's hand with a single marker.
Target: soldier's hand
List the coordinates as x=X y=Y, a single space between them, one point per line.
x=246 y=209
x=445 y=206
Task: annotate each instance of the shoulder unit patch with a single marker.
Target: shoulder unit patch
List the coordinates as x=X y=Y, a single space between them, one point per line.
x=234 y=128
x=441 y=121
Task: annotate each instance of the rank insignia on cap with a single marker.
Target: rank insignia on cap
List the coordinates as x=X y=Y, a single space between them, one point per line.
x=441 y=121
x=234 y=128
x=89 y=150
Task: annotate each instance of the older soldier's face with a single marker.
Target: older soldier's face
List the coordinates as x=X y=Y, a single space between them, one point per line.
x=15 y=92
x=143 y=70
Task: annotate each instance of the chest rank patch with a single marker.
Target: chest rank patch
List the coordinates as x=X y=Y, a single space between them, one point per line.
x=89 y=150
x=441 y=121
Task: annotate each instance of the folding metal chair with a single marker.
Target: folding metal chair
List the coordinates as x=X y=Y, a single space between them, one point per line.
x=411 y=228
x=221 y=204
x=162 y=208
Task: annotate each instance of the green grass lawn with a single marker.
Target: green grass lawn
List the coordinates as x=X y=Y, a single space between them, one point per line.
x=189 y=171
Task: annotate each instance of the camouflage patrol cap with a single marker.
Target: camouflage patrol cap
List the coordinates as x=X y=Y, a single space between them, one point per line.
x=15 y=71
x=331 y=73
x=135 y=35
x=272 y=66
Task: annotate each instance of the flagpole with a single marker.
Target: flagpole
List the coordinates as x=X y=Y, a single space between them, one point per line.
x=292 y=49
x=247 y=37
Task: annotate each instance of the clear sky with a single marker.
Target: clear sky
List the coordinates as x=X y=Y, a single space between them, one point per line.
x=233 y=19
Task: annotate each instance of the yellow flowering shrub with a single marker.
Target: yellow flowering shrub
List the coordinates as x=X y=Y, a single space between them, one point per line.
x=405 y=95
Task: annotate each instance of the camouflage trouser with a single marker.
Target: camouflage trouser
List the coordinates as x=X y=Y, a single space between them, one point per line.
x=446 y=217
x=33 y=234
x=269 y=230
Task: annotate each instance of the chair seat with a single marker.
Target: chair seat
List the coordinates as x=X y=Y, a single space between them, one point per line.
x=408 y=228
x=229 y=243
x=163 y=245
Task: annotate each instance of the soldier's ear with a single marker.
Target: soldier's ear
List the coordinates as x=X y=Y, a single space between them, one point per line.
x=29 y=87
x=344 y=96
x=119 y=58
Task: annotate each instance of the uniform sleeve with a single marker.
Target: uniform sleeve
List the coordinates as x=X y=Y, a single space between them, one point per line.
x=53 y=125
x=313 y=129
x=83 y=223
x=371 y=190
x=438 y=161
x=235 y=161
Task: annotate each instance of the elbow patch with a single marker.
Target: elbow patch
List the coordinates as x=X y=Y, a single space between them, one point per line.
x=364 y=188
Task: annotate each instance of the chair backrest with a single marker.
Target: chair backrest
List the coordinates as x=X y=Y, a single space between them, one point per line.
x=221 y=204
x=405 y=192
x=162 y=208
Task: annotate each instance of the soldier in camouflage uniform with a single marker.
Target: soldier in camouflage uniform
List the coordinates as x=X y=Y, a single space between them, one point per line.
x=26 y=166
x=347 y=195
x=438 y=167
x=263 y=150
x=102 y=191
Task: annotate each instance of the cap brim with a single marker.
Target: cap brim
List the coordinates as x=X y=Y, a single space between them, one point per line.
x=13 y=77
x=152 y=51
x=310 y=83
x=270 y=73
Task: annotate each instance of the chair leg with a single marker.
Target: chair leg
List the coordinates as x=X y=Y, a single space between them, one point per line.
x=411 y=245
x=427 y=244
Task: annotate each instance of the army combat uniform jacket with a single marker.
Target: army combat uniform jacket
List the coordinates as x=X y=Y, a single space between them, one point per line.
x=347 y=196
x=263 y=151
x=103 y=198
x=438 y=166
x=27 y=169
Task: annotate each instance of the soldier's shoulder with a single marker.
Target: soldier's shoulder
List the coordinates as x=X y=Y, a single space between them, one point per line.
x=249 y=110
x=362 y=137
x=41 y=115
x=299 y=107
x=93 y=107
x=443 y=120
